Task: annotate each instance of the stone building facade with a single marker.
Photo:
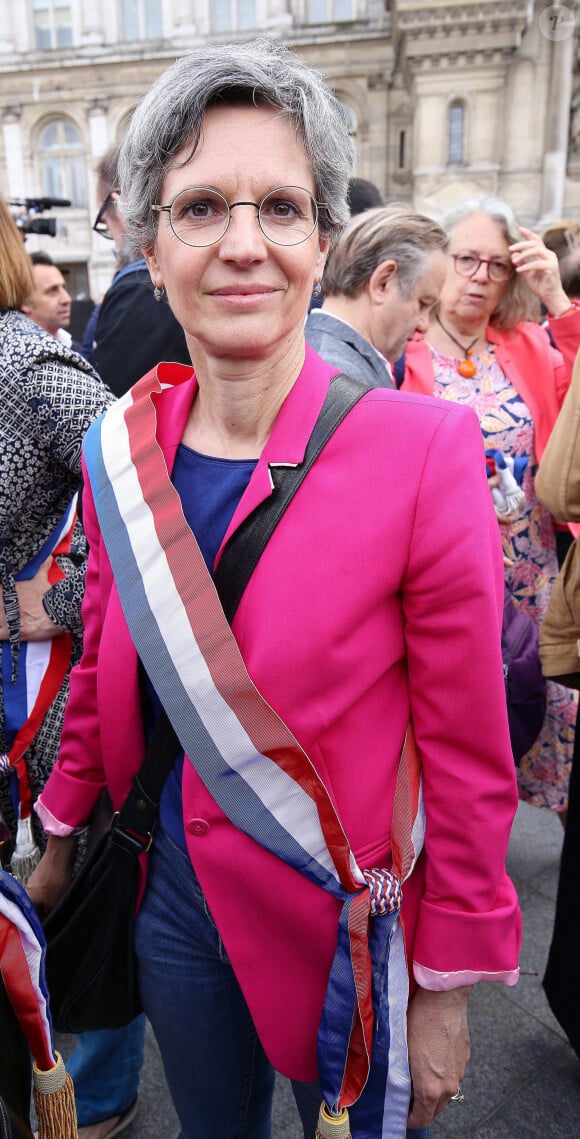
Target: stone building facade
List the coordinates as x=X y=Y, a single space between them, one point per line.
x=447 y=98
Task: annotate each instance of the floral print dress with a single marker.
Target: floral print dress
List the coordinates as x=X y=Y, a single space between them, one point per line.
x=506 y=423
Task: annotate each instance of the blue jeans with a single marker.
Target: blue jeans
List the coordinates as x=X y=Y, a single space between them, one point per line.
x=105 y=1069
x=220 y=1079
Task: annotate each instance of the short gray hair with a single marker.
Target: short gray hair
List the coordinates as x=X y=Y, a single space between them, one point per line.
x=518 y=302
x=388 y=233
x=262 y=73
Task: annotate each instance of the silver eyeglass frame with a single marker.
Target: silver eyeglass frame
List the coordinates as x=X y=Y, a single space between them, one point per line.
x=317 y=206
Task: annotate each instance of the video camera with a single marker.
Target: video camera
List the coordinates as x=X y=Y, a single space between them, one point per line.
x=24 y=209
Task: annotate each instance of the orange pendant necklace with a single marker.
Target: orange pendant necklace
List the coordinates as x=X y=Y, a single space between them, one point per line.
x=465 y=367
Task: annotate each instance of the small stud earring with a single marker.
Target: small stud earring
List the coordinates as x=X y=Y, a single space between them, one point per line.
x=316 y=289
x=159 y=292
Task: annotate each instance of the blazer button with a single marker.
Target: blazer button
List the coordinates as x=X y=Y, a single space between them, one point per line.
x=197 y=827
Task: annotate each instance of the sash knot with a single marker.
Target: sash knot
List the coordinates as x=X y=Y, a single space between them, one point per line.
x=386 y=891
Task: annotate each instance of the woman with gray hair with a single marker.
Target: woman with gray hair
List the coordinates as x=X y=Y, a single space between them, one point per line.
x=380 y=284
x=486 y=349
x=293 y=809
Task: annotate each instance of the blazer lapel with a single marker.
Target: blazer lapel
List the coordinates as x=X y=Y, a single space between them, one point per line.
x=289 y=436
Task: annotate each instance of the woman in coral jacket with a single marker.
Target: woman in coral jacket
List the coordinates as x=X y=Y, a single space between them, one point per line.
x=485 y=349
x=377 y=598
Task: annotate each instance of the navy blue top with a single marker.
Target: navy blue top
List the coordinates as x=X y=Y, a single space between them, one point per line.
x=210 y=490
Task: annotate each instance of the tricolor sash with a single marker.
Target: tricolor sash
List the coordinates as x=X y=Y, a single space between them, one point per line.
x=22 y=950
x=33 y=675
x=22 y=967
x=252 y=764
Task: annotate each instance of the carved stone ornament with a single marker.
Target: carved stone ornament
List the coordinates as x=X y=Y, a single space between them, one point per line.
x=98 y=106
x=12 y=114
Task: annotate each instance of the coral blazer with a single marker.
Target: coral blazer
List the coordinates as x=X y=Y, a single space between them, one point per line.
x=539 y=372
x=378 y=595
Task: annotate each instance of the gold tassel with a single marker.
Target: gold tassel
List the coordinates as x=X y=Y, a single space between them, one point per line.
x=333 y=1126
x=26 y=854
x=54 y=1102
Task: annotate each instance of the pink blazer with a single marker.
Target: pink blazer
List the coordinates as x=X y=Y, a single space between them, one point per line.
x=379 y=594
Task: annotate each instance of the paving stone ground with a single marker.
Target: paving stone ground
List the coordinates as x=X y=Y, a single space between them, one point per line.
x=524 y=1079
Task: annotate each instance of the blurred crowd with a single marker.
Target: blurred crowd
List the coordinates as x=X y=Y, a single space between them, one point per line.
x=469 y=311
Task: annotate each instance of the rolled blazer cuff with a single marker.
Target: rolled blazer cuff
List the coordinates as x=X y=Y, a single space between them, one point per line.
x=67 y=801
x=54 y=826
x=455 y=945
x=441 y=982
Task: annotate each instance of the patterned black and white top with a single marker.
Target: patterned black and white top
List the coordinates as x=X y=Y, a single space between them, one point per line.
x=49 y=396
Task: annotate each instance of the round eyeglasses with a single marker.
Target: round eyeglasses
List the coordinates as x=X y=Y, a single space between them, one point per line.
x=200 y=215
x=100 y=225
x=467 y=266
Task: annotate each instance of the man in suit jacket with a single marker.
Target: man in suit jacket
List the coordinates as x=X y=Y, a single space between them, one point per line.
x=380 y=284
x=131 y=333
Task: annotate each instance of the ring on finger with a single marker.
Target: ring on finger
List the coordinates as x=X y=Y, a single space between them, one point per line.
x=458 y=1097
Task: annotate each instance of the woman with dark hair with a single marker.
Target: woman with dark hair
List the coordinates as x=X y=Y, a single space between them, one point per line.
x=294 y=808
x=486 y=349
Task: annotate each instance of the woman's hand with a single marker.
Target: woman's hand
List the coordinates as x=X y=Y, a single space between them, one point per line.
x=540 y=267
x=35 y=624
x=507 y=519
x=50 y=879
x=439 y=1050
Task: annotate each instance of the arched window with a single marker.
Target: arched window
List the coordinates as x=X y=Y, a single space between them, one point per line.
x=456 y=132
x=52 y=20
x=140 y=19
x=62 y=167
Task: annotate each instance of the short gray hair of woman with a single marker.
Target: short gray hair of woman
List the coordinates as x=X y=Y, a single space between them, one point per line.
x=387 y=233
x=518 y=302
x=261 y=72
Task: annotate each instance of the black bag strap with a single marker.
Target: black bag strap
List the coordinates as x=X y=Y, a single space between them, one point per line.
x=243 y=551
x=134 y=825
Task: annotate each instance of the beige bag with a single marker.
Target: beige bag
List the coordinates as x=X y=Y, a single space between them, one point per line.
x=557 y=485
x=557 y=481
x=560 y=629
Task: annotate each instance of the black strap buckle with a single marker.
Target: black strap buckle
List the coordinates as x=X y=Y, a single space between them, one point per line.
x=130 y=841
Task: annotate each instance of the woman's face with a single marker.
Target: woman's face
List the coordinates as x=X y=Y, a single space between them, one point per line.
x=244 y=297
x=474 y=299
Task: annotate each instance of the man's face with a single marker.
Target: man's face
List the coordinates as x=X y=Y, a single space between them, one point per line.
x=50 y=303
x=396 y=317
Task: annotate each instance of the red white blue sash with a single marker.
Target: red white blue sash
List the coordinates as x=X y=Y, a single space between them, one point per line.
x=22 y=952
x=29 y=689
x=252 y=764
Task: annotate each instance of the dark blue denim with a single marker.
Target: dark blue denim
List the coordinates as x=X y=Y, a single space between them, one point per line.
x=105 y=1069
x=220 y=1079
